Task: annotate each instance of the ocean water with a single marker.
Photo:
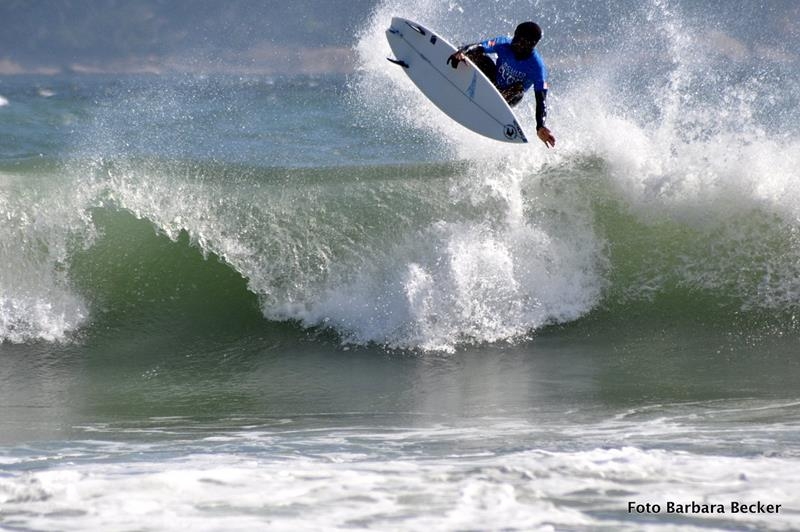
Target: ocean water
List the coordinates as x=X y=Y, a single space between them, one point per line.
x=315 y=303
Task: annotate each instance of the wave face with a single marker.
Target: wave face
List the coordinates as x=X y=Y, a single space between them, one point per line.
x=352 y=204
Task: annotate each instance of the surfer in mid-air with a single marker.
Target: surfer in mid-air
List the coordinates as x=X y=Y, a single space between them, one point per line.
x=518 y=68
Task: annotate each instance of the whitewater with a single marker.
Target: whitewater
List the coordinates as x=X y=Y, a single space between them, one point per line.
x=667 y=179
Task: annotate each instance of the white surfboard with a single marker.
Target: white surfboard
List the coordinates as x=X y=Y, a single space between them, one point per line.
x=465 y=94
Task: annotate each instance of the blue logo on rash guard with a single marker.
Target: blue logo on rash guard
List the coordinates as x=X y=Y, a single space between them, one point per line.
x=530 y=72
x=507 y=75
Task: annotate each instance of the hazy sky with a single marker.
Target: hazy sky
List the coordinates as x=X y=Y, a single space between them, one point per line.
x=163 y=35
x=283 y=36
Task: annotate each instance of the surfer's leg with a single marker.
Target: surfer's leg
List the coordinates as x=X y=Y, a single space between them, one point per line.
x=484 y=63
x=513 y=94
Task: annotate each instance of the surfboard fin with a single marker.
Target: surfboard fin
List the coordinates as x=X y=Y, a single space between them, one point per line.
x=397 y=62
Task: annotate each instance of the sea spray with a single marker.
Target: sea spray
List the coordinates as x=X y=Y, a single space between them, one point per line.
x=41 y=226
x=689 y=121
x=672 y=181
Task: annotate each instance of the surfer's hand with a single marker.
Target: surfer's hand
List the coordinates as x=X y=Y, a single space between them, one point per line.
x=455 y=59
x=545 y=136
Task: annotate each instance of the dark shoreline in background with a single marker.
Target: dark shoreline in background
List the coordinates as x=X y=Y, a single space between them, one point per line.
x=272 y=62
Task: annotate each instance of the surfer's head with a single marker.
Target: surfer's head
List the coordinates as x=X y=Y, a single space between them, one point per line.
x=526 y=36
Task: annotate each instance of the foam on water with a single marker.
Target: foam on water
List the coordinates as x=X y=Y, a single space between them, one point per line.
x=342 y=478
x=469 y=280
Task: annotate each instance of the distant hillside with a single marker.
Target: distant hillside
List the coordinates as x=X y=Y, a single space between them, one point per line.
x=167 y=34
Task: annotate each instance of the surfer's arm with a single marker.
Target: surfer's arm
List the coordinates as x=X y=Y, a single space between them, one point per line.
x=483 y=47
x=542 y=132
x=541 y=107
x=471 y=48
x=459 y=56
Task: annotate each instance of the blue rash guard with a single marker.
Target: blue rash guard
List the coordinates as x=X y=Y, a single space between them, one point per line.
x=531 y=72
x=509 y=70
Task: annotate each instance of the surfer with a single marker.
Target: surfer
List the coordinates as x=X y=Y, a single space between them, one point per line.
x=518 y=68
